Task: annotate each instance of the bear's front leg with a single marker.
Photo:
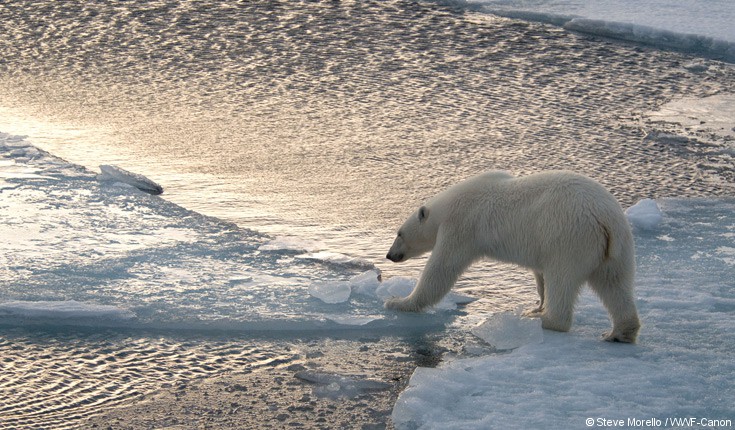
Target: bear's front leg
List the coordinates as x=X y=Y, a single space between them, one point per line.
x=438 y=277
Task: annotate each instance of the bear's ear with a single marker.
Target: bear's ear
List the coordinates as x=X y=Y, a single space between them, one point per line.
x=423 y=213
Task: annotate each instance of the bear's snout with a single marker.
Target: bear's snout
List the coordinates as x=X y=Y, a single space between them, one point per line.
x=394 y=257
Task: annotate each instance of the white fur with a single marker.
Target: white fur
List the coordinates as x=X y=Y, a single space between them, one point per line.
x=563 y=226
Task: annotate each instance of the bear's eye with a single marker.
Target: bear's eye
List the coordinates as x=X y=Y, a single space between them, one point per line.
x=400 y=233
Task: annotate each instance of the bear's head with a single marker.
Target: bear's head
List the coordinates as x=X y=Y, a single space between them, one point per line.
x=415 y=237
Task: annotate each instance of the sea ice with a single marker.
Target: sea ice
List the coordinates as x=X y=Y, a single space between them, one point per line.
x=509 y=330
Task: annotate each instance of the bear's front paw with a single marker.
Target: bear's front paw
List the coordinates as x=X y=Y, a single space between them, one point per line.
x=533 y=313
x=401 y=304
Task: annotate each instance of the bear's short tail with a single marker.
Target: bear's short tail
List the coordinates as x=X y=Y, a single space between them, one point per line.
x=608 y=250
x=608 y=241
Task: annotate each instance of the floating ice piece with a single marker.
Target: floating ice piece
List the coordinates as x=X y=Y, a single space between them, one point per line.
x=69 y=309
x=509 y=330
x=366 y=283
x=334 y=385
x=714 y=115
x=645 y=214
x=331 y=292
x=116 y=174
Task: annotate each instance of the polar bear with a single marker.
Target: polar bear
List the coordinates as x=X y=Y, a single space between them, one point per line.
x=565 y=227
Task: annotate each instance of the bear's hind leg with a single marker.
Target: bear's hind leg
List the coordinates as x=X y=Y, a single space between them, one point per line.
x=535 y=313
x=615 y=290
x=560 y=296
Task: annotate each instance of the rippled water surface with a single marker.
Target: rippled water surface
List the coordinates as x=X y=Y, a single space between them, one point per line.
x=338 y=115
x=59 y=378
x=330 y=121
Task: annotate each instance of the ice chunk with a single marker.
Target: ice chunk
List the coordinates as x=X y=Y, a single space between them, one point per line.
x=116 y=174
x=334 y=385
x=69 y=309
x=645 y=214
x=509 y=330
x=331 y=292
x=366 y=283
x=714 y=115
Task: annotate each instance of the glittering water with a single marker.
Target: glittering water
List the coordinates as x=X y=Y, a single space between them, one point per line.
x=324 y=120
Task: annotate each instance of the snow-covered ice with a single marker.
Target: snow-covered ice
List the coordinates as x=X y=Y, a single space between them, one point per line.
x=682 y=365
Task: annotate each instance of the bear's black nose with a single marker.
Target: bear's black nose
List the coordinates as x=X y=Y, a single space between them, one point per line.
x=394 y=257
